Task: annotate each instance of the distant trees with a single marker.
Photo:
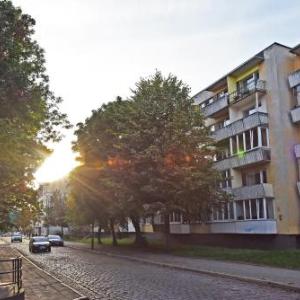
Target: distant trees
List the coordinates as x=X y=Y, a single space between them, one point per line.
x=29 y=111
x=150 y=153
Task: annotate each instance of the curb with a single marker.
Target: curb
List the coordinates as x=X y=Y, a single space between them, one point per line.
x=81 y=296
x=198 y=271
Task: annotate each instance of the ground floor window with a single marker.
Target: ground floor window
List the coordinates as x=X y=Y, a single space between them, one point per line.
x=252 y=209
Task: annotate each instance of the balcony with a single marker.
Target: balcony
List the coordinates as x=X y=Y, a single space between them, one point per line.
x=180 y=228
x=215 y=107
x=249 y=227
x=252 y=121
x=295 y=115
x=264 y=190
x=254 y=156
x=246 y=93
x=294 y=79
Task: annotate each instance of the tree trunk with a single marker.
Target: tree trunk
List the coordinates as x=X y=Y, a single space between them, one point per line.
x=112 y=228
x=62 y=231
x=92 y=237
x=167 y=230
x=99 y=235
x=139 y=239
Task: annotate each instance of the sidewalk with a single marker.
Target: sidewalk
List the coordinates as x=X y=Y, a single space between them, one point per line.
x=284 y=278
x=37 y=284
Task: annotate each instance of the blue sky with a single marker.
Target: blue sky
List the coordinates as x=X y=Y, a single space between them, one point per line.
x=97 y=49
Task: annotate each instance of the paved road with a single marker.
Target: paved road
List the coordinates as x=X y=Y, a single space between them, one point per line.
x=108 y=278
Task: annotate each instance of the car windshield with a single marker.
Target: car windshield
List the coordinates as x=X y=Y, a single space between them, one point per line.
x=40 y=239
x=16 y=234
x=54 y=237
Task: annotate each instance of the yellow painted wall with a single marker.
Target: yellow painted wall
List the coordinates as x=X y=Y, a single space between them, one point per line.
x=231 y=80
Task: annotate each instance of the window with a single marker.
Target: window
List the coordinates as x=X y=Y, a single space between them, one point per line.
x=260 y=203
x=254 y=177
x=241 y=142
x=248 y=140
x=264 y=176
x=247 y=209
x=254 y=138
x=253 y=208
x=175 y=217
x=264 y=137
x=234 y=145
x=270 y=208
x=240 y=210
x=226 y=179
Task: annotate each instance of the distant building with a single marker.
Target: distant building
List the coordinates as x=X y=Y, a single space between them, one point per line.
x=46 y=192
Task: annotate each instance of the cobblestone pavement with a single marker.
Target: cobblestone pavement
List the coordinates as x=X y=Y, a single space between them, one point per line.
x=108 y=278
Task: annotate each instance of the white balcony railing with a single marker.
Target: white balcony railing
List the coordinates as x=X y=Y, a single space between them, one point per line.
x=294 y=79
x=254 y=120
x=215 y=106
x=295 y=114
x=249 y=227
x=263 y=190
x=257 y=155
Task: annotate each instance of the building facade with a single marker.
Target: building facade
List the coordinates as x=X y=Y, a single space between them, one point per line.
x=253 y=113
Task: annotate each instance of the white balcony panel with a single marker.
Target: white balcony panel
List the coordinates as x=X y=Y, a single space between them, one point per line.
x=215 y=106
x=294 y=79
x=258 y=155
x=295 y=114
x=264 y=190
x=245 y=227
x=180 y=228
x=254 y=120
x=297 y=150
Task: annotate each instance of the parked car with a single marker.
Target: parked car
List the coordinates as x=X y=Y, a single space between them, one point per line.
x=39 y=244
x=16 y=237
x=56 y=240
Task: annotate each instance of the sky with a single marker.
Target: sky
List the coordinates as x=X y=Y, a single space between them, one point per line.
x=97 y=49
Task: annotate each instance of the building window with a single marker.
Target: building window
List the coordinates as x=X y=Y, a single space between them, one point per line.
x=248 y=140
x=270 y=208
x=226 y=179
x=175 y=217
x=252 y=178
x=253 y=208
x=239 y=210
x=241 y=142
x=254 y=137
x=264 y=137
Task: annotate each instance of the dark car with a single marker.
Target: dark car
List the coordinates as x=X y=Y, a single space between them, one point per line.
x=16 y=237
x=39 y=244
x=55 y=240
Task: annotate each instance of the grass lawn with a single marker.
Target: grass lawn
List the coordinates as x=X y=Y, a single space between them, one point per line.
x=276 y=258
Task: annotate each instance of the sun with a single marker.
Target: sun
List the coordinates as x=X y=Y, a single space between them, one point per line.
x=59 y=164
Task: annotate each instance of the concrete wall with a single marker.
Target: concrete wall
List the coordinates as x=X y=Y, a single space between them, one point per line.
x=283 y=136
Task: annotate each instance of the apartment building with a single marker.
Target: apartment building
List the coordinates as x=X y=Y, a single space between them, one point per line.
x=254 y=115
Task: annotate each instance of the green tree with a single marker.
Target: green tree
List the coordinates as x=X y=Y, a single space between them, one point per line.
x=156 y=146
x=29 y=111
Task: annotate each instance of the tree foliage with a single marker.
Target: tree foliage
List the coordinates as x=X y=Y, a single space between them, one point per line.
x=155 y=148
x=29 y=111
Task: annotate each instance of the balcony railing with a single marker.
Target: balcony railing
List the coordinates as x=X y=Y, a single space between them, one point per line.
x=294 y=79
x=257 y=155
x=295 y=115
x=256 y=86
x=263 y=190
x=216 y=106
x=252 y=121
